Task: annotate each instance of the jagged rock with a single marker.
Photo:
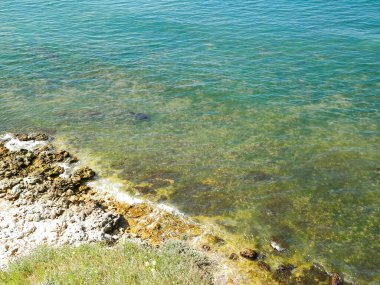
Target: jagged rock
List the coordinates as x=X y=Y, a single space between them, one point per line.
x=83 y=174
x=36 y=203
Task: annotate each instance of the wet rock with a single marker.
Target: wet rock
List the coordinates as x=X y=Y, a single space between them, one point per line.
x=277 y=244
x=163 y=198
x=263 y=265
x=233 y=256
x=83 y=174
x=126 y=114
x=39 y=137
x=336 y=279
x=249 y=254
x=138 y=116
x=145 y=188
x=33 y=137
x=257 y=176
x=315 y=275
x=283 y=272
x=53 y=171
x=22 y=137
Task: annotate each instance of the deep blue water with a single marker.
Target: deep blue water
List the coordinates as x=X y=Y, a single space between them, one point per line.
x=265 y=114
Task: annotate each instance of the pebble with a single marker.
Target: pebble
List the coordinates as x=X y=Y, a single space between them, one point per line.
x=264 y=266
x=249 y=254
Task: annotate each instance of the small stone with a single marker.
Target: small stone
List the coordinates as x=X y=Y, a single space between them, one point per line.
x=285 y=267
x=20 y=236
x=233 y=256
x=336 y=279
x=264 y=266
x=30 y=230
x=284 y=271
x=206 y=247
x=14 y=251
x=277 y=244
x=249 y=254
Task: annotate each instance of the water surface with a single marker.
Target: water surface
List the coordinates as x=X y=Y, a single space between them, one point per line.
x=262 y=115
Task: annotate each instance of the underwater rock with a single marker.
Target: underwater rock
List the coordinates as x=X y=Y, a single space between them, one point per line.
x=283 y=272
x=84 y=173
x=257 y=176
x=51 y=56
x=162 y=198
x=122 y=113
x=336 y=279
x=263 y=265
x=201 y=199
x=314 y=275
x=145 y=188
x=93 y=114
x=214 y=240
x=138 y=116
x=249 y=254
x=277 y=244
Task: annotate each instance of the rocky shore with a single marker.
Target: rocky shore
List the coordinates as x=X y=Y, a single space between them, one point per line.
x=48 y=198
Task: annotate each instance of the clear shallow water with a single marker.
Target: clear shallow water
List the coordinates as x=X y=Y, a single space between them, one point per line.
x=265 y=114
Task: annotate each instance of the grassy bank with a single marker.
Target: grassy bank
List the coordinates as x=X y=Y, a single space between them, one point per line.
x=129 y=263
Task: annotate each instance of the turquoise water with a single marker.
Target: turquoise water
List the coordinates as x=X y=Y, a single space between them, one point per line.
x=264 y=116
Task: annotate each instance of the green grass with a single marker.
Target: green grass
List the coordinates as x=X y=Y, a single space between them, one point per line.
x=129 y=263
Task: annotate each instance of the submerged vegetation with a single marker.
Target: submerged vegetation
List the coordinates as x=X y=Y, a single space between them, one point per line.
x=127 y=263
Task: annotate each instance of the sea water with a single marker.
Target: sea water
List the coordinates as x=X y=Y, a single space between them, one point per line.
x=263 y=116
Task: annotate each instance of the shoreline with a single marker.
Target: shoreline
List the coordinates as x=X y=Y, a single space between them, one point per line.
x=38 y=179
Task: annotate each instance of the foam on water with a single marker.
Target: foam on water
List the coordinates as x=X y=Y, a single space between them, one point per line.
x=110 y=188
x=14 y=144
x=113 y=189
